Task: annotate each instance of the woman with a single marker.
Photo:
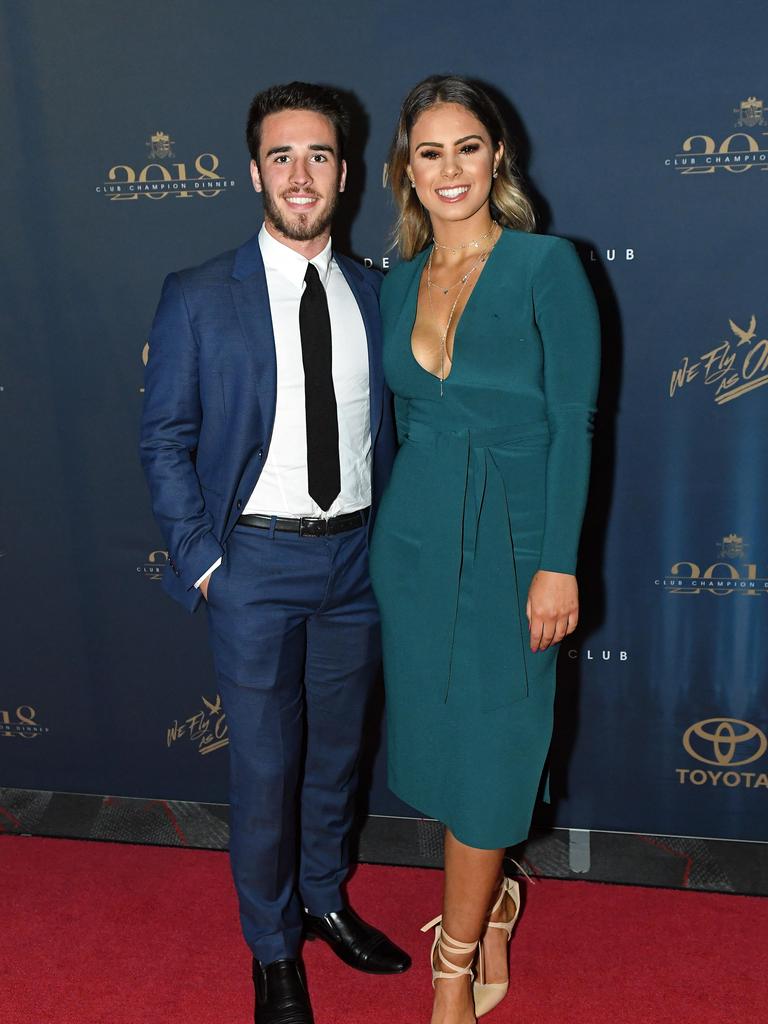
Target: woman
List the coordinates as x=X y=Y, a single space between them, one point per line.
x=491 y=349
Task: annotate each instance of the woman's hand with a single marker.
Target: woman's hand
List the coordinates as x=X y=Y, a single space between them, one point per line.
x=552 y=608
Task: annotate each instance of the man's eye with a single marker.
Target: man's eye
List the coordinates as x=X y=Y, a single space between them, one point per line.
x=281 y=158
x=320 y=158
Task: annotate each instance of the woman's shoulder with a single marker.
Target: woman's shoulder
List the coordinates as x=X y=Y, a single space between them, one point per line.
x=539 y=256
x=399 y=277
x=532 y=245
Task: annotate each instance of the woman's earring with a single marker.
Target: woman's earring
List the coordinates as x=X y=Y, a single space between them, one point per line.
x=495 y=174
x=413 y=183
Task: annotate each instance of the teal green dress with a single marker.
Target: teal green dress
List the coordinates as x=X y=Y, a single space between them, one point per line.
x=489 y=485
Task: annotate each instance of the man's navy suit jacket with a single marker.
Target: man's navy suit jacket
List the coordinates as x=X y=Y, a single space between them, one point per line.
x=209 y=403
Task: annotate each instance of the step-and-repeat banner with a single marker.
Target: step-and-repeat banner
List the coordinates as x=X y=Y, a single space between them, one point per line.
x=644 y=136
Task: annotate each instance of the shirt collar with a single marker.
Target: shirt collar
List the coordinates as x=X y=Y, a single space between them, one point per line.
x=291 y=264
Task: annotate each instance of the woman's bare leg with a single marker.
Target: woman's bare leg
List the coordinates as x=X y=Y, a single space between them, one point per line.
x=472 y=880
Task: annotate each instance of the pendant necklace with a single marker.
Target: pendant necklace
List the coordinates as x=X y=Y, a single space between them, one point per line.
x=462 y=281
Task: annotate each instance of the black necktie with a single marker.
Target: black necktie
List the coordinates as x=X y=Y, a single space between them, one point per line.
x=323 y=469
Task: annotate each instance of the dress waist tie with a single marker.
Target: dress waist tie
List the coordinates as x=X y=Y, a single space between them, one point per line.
x=472 y=530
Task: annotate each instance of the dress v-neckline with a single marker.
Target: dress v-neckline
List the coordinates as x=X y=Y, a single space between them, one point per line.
x=417 y=279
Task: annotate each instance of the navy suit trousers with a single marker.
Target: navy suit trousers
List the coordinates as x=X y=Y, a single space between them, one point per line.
x=295 y=635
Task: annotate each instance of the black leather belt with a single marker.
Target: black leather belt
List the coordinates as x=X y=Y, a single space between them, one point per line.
x=307 y=527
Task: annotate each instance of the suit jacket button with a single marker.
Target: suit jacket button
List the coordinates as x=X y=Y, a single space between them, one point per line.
x=261 y=452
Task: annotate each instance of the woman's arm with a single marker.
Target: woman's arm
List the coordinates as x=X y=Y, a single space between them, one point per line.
x=567 y=318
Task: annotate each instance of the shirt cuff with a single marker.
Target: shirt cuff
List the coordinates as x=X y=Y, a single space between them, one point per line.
x=205 y=575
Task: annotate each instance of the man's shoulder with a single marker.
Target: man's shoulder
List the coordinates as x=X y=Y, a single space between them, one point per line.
x=241 y=263
x=365 y=275
x=215 y=270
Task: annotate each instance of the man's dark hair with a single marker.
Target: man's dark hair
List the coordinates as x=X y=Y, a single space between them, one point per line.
x=297 y=96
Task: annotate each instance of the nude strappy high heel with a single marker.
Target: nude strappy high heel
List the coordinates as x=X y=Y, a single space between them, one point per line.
x=488 y=995
x=447 y=946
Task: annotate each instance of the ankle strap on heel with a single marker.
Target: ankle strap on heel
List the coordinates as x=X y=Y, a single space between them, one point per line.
x=446 y=947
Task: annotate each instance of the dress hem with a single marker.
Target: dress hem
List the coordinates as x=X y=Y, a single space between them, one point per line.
x=401 y=795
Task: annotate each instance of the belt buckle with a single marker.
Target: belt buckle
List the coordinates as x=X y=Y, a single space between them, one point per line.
x=312 y=528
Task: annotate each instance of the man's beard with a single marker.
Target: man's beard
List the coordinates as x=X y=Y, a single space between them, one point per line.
x=303 y=228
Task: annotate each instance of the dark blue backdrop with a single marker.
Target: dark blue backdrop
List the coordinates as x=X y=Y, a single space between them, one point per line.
x=644 y=138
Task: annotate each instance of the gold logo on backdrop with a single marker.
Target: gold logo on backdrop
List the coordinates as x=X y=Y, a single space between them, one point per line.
x=750 y=113
x=736 y=152
x=732 y=546
x=731 y=574
x=206 y=729
x=158 y=180
x=159 y=146
x=720 y=740
x=21 y=723
x=734 y=367
x=154 y=567
x=724 y=743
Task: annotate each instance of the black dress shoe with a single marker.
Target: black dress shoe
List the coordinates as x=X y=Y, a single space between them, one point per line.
x=281 y=995
x=356 y=943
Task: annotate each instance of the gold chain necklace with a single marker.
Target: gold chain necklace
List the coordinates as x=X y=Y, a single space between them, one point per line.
x=463 y=281
x=453 y=249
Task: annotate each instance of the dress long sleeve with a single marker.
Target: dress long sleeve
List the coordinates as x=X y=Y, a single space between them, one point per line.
x=568 y=322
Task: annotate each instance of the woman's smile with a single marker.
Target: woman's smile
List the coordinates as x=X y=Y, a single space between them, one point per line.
x=452 y=193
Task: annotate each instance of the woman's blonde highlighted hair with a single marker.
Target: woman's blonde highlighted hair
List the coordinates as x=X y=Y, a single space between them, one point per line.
x=510 y=206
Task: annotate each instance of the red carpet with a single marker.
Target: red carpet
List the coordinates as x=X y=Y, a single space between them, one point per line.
x=97 y=932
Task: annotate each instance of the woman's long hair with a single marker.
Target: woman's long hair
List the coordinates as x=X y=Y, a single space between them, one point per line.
x=510 y=206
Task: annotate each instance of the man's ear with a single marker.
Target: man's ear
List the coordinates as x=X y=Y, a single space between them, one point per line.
x=343 y=176
x=256 y=176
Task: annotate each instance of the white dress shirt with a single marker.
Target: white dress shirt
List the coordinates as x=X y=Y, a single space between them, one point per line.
x=281 y=489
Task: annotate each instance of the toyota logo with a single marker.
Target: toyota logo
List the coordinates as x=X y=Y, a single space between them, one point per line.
x=722 y=741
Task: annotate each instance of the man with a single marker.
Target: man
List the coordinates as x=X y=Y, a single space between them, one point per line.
x=267 y=438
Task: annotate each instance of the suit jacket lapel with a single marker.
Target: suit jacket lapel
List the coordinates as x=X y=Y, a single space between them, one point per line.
x=368 y=304
x=251 y=299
